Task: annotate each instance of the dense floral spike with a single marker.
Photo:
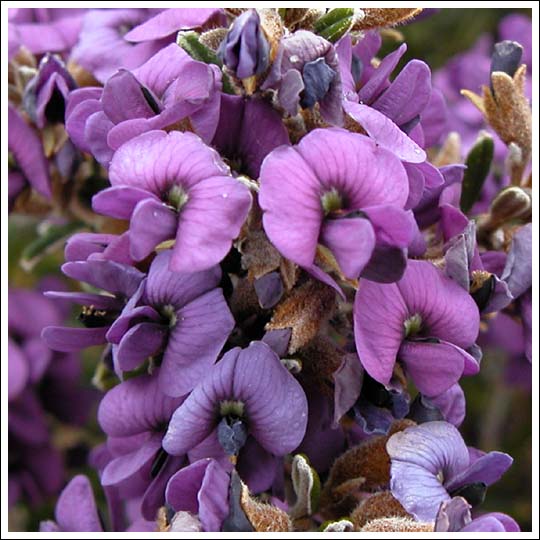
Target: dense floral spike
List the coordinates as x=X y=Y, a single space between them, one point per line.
x=287 y=242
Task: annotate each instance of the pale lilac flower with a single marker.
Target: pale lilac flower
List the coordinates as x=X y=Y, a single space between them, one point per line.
x=430 y=463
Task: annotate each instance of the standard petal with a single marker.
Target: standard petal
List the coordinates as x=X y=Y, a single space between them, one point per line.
x=202 y=329
x=363 y=173
x=134 y=406
x=447 y=311
x=422 y=457
x=184 y=160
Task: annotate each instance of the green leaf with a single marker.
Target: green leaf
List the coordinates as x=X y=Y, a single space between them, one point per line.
x=51 y=239
x=335 y=24
x=478 y=165
x=189 y=41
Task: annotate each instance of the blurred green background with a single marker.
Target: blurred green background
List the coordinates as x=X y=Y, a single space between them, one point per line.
x=498 y=415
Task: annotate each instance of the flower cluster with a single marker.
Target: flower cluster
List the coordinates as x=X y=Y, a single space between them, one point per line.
x=285 y=260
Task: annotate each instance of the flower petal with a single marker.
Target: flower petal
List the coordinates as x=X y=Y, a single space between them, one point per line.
x=65 y=339
x=134 y=406
x=119 y=201
x=385 y=132
x=76 y=509
x=351 y=241
x=202 y=329
x=211 y=219
x=143 y=340
x=418 y=456
x=152 y=222
x=487 y=469
x=434 y=367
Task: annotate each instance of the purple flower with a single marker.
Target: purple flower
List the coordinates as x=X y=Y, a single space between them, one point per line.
x=245 y=50
x=249 y=394
x=134 y=415
x=174 y=186
x=248 y=130
x=455 y=516
x=43 y=30
x=431 y=462
x=45 y=95
x=202 y=489
x=305 y=72
x=99 y=310
x=341 y=190
x=153 y=96
x=425 y=320
x=181 y=318
x=30 y=166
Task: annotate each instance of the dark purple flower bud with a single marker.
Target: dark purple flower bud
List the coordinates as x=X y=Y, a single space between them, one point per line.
x=245 y=50
x=506 y=57
x=45 y=95
x=306 y=71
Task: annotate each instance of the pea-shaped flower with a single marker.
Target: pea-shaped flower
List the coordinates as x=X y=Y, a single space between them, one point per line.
x=173 y=186
x=248 y=394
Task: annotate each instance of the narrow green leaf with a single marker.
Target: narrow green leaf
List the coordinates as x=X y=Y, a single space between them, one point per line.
x=332 y=17
x=50 y=240
x=189 y=41
x=478 y=165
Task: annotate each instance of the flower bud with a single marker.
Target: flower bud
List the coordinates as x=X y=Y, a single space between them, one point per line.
x=511 y=203
x=377 y=506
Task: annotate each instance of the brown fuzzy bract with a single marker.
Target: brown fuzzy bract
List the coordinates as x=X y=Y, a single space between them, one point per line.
x=264 y=517
x=377 y=506
x=397 y=524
